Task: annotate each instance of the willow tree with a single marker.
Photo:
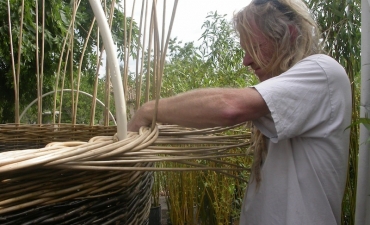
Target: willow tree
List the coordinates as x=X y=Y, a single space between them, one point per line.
x=340 y=23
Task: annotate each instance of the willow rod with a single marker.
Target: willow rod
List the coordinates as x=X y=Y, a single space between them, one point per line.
x=61 y=58
x=41 y=74
x=152 y=159
x=58 y=75
x=128 y=49
x=135 y=168
x=63 y=82
x=138 y=77
x=100 y=149
x=19 y=62
x=96 y=81
x=71 y=70
x=80 y=67
x=16 y=88
x=107 y=74
x=162 y=62
x=68 y=90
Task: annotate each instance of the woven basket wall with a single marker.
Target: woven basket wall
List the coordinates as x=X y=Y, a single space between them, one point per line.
x=26 y=136
x=59 y=196
x=39 y=194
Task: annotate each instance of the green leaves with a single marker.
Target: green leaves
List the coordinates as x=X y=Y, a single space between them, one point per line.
x=217 y=62
x=58 y=16
x=364 y=121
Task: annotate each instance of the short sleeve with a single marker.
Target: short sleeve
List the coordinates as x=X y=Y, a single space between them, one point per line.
x=300 y=100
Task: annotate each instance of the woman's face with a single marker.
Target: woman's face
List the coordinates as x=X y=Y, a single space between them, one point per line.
x=264 y=50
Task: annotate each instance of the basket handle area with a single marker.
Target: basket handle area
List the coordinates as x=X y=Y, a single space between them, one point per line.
x=119 y=97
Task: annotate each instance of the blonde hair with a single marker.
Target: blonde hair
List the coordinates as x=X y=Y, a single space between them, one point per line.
x=289 y=26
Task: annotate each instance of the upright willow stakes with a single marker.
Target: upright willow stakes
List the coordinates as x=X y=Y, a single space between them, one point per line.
x=75 y=173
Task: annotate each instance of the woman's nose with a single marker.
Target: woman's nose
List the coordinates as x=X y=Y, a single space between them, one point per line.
x=247 y=60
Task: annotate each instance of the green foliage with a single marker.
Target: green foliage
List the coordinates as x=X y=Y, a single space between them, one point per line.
x=220 y=46
x=65 y=112
x=58 y=16
x=217 y=62
x=365 y=122
x=53 y=38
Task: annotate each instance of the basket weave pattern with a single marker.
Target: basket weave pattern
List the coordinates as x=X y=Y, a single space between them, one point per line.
x=26 y=136
x=45 y=194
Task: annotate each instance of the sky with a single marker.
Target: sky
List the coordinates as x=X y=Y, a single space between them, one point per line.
x=191 y=14
x=189 y=18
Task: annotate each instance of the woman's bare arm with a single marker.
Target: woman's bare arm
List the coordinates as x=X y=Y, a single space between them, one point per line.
x=203 y=108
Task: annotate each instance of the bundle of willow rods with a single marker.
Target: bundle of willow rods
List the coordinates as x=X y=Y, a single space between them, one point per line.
x=108 y=153
x=35 y=180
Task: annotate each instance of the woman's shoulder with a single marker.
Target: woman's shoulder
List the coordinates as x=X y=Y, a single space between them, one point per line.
x=319 y=59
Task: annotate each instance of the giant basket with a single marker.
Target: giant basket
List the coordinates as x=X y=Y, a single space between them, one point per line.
x=71 y=173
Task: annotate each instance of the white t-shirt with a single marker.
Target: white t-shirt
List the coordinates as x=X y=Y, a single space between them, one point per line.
x=304 y=173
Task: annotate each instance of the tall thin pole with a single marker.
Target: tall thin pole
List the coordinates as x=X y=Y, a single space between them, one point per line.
x=363 y=181
x=113 y=64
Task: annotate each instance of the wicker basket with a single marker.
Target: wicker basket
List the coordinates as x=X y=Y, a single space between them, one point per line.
x=42 y=195
x=98 y=174
x=43 y=191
